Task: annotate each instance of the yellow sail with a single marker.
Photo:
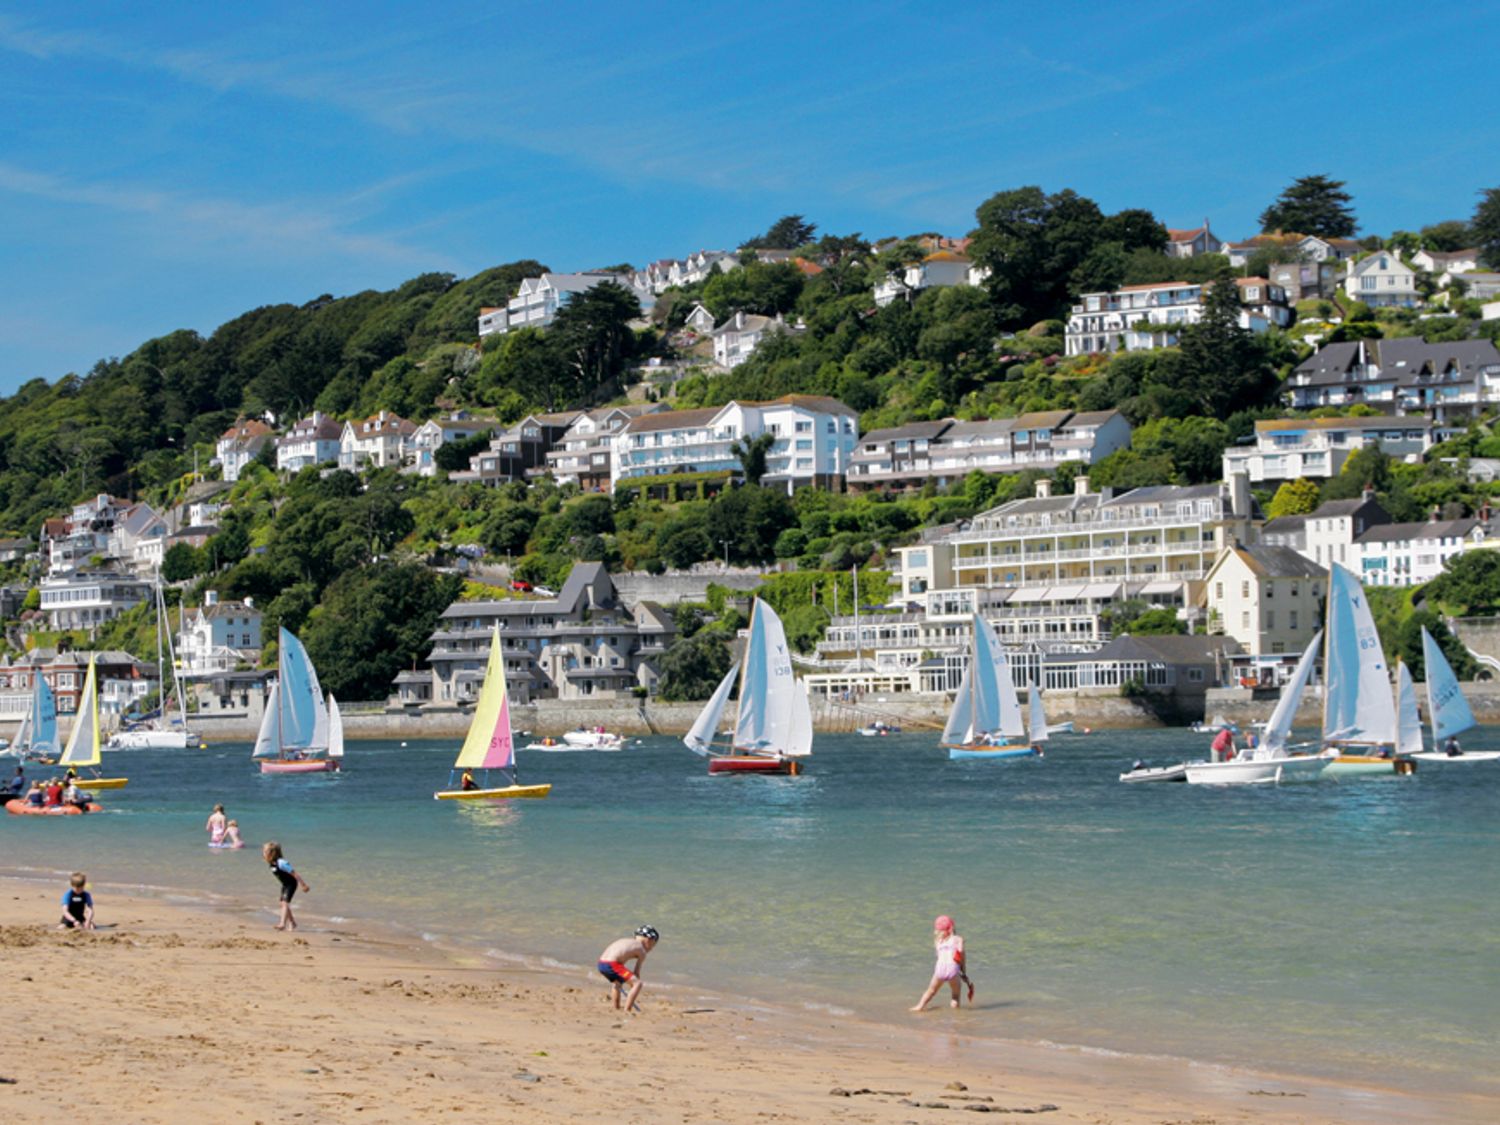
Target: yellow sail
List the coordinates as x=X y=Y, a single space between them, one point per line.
x=489 y=744
x=83 y=742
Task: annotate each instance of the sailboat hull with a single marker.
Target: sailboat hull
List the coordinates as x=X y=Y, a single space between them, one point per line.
x=1466 y=756
x=507 y=793
x=1362 y=765
x=153 y=740
x=310 y=765
x=1263 y=771
x=103 y=782
x=958 y=753
x=755 y=763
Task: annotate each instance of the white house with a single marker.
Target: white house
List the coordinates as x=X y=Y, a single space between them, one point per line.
x=1382 y=280
x=741 y=334
x=1293 y=246
x=240 y=444
x=537 y=300
x=1409 y=554
x=137 y=537
x=379 y=440
x=1478 y=285
x=1448 y=262
x=584 y=453
x=85 y=599
x=313 y=440
x=493 y=321
x=937 y=270
x=1289 y=448
x=217 y=636
x=1267 y=598
x=700 y=320
x=433 y=434
x=814 y=436
x=1143 y=317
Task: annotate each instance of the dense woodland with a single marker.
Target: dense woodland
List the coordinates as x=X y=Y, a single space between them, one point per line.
x=358 y=566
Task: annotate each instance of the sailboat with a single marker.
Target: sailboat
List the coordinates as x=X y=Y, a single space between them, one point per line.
x=82 y=750
x=986 y=717
x=490 y=743
x=36 y=738
x=158 y=732
x=773 y=731
x=1447 y=709
x=1271 y=761
x=1408 y=718
x=1359 y=708
x=301 y=732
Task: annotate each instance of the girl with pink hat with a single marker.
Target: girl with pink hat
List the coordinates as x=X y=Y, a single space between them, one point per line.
x=950 y=964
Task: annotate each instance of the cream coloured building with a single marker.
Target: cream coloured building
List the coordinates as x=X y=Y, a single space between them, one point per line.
x=1267 y=598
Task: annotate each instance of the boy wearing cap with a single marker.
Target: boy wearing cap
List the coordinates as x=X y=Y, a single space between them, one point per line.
x=612 y=964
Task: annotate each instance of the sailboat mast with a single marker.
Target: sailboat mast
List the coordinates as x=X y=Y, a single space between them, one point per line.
x=280 y=710
x=1327 y=642
x=859 y=652
x=161 y=683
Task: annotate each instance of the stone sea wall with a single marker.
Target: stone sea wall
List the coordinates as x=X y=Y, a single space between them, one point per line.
x=1239 y=706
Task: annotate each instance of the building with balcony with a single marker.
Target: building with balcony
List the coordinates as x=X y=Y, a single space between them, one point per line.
x=1382 y=281
x=1409 y=554
x=83 y=599
x=1143 y=317
x=1192 y=243
x=538 y=300
x=815 y=437
x=737 y=338
x=219 y=636
x=1449 y=383
x=433 y=434
x=518 y=451
x=313 y=440
x=584 y=453
x=1290 y=448
x=939 y=270
x=582 y=644
x=378 y=441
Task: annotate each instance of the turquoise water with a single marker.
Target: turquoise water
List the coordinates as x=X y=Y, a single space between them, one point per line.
x=1325 y=928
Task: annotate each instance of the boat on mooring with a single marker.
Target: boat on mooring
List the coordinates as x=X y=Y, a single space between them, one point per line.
x=301 y=731
x=1447 y=710
x=1359 y=703
x=773 y=731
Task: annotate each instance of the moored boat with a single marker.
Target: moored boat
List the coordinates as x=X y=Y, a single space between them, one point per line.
x=1359 y=706
x=597 y=739
x=1140 y=772
x=301 y=732
x=1447 y=709
x=82 y=750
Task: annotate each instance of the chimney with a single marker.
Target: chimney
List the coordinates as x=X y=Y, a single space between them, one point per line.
x=1081 y=485
x=1043 y=489
x=1437 y=514
x=210 y=597
x=249 y=601
x=1239 y=494
x=1367 y=493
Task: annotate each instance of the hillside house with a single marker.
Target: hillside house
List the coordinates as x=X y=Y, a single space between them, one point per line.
x=1382 y=281
x=313 y=440
x=378 y=441
x=241 y=444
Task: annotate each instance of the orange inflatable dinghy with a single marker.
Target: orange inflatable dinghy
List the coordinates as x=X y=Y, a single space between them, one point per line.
x=19 y=807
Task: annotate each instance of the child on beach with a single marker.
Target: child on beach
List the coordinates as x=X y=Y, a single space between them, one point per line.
x=77 y=904
x=950 y=964
x=232 y=836
x=290 y=882
x=613 y=969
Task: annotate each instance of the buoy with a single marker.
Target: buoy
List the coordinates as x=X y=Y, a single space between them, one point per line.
x=403 y=744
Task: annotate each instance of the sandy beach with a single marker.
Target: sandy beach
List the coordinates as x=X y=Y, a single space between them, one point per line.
x=179 y=1013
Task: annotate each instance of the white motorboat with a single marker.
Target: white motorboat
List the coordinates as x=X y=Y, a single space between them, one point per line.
x=593 y=740
x=151 y=739
x=1214 y=726
x=878 y=729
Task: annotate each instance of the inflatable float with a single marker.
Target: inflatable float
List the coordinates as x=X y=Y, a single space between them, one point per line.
x=17 y=807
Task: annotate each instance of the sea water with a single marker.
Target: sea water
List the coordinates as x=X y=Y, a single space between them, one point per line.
x=1326 y=928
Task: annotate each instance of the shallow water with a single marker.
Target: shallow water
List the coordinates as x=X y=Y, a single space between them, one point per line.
x=1322 y=928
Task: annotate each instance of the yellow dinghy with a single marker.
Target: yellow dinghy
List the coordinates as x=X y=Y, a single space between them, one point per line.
x=103 y=782
x=490 y=743
x=493 y=794
x=82 y=750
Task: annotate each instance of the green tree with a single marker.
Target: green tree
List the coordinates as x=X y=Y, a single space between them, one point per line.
x=1486 y=227
x=453 y=456
x=593 y=336
x=753 y=453
x=786 y=233
x=749 y=520
x=1408 y=645
x=181 y=562
x=693 y=666
x=1155 y=623
x=1469 y=585
x=1447 y=236
x=1312 y=205
x=1223 y=367
x=1298 y=497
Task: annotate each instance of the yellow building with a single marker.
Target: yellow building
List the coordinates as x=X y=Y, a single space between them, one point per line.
x=1270 y=599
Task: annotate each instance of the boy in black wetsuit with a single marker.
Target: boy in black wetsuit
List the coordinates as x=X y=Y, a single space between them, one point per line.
x=78 y=904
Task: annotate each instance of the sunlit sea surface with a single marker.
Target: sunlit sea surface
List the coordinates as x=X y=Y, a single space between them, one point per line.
x=1327 y=928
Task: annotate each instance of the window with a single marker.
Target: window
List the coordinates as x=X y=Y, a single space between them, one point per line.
x=1219 y=591
x=1195 y=675
x=1244 y=589
x=1245 y=620
x=804 y=427
x=1270 y=619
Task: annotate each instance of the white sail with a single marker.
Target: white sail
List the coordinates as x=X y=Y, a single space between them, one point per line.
x=1408 y=718
x=700 y=738
x=1357 y=702
x=1279 y=726
x=960 y=726
x=335 y=729
x=1447 y=709
x=767 y=686
x=993 y=664
x=800 y=739
x=83 y=742
x=22 y=742
x=268 y=740
x=1038 y=721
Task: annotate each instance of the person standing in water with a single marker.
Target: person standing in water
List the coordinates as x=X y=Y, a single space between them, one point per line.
x=950 y=964
x=216 y=825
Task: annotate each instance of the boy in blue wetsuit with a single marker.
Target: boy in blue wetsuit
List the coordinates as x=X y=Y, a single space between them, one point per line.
x=290 y=882
x=77 y=904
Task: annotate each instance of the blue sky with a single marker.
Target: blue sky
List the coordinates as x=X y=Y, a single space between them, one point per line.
x=172 y=165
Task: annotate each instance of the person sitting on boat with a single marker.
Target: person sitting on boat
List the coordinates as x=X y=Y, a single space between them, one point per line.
x=34 y=796
x=52 y=794
x=75 y=797
x=467 y=782
x=16 y=786
x=1451 y=747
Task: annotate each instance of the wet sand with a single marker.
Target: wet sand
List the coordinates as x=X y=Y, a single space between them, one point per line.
x=176 y=1013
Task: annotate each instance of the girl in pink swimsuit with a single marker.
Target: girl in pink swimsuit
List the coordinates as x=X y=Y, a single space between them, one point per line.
x=950 y=964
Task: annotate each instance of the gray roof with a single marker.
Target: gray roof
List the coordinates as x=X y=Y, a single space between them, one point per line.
x=1431 y=529
x=1171 y=649
x=914 y=430
x=1331 y=508
x=1283 y=562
